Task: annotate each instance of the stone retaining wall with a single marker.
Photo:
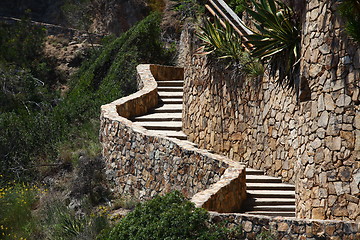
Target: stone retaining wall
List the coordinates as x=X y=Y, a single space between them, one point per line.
x=290 y=228
x=314 y=144
x=143 y=164
x=328 y=126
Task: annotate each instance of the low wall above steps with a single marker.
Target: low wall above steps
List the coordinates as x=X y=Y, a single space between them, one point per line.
x=289 y=228
x=143 y=164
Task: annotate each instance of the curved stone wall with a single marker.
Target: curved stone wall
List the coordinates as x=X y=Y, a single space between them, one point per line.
x=143 y=164
x=314 y=144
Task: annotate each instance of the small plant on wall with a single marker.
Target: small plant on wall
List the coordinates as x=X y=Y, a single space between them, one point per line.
x=277 y=40
x=223 y=43
x=350 y=11
x=239 y=6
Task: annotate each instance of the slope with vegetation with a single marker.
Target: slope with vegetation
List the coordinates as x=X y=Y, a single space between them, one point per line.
x=43 y=133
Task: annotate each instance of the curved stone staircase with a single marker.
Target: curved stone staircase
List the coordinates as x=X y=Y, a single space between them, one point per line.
x=266 y=195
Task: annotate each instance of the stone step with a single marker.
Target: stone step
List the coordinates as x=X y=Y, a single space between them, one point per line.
x=272 y=208
x=269 y=186
x=170 y=89
x=170 y=94
x=177 y=83
x=251 y=171
x=272 y=201
x=171 y=100
x=164 y=125
x=261 y=179
x=271 y=194
x=280 y=214
x=159 y=117
x=174 y=134
x=168 y=108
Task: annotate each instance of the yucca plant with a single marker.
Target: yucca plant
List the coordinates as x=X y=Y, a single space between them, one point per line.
x=219 y=40
x=350 y=10
x=224 y=43
x=277 y=40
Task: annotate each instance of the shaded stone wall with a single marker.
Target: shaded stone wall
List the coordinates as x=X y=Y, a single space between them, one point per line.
x=314 y=144
x=249 y=122
x=143 y=164
x=291 y=228
x=329 y=124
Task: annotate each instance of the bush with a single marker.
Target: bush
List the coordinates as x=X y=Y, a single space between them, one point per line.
x=350 y=10
x=16 y=200
x=189 y=8
x=166 y=217
x=239 y=6
x=21 y=43
x=29 y=137
x=57 y=221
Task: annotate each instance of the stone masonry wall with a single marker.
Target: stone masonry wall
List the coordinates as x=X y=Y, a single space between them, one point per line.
x=314 y=144
x=143 y=164
x=328 y=126
x=291 y=228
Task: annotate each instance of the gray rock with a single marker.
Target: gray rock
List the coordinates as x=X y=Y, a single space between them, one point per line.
x=320 y=103
x=316 y=143
x=357 y=120
x=339 y=188
x=324 y=49
x=323 y=120
x=343 y=100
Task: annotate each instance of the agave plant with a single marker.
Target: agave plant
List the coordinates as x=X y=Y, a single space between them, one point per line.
x=224 y=43
x=219 y=40
x=277 y=40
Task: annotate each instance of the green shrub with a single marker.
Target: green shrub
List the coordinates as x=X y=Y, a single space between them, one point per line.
x=59 y=222
x=29 y=137
x=16 y=220
x=265 y=235
x=189 y=8
x=238 y=6
x=21 y=43
x=350 y=10
x=165 y=217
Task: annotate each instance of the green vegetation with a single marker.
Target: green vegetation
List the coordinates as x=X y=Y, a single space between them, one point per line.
x=265 y=235
x=224 y=43
x=16 y=202
x=168 y=217
x=34 y=129
x=43 y=133
x=26 y=94
x=58 y=222
x=238 y=6
x=77 y=13
x=350 y=11
x=277 y=40
x=189 y=8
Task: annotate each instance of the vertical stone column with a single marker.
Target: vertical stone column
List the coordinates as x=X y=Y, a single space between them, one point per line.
x=328 y=166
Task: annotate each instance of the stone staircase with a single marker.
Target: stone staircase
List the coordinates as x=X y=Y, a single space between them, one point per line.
x=166 y=118
x=266 y=195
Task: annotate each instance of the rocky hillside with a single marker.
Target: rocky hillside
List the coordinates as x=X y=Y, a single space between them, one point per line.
x=41 y=10
x=101 y=16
